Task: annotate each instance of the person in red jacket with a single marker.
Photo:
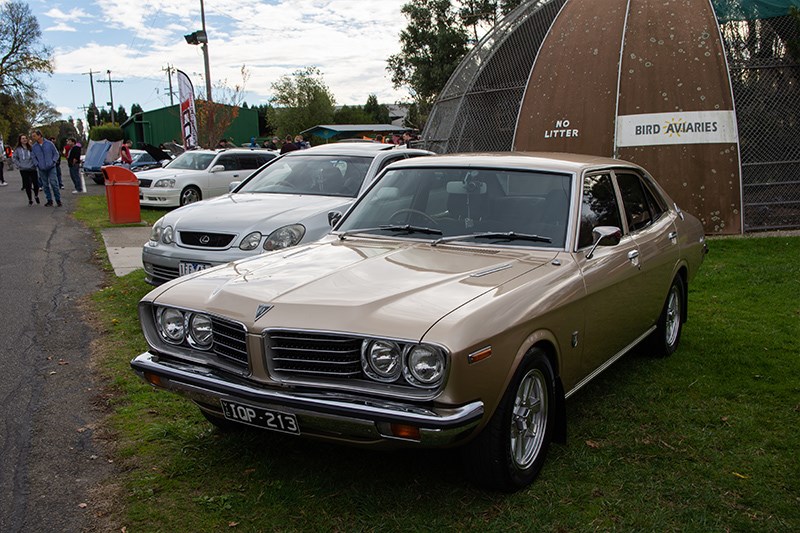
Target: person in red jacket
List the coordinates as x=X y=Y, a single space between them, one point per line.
x=125 y=153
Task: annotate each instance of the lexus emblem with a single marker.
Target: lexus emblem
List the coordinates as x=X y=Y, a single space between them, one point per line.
x=205 y=239
x=262 y=310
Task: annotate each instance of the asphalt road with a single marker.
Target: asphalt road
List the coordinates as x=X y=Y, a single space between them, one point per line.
x=50 y=458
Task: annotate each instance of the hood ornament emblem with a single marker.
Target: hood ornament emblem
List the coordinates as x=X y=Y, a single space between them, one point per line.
x=262 y=310
x=205 y=239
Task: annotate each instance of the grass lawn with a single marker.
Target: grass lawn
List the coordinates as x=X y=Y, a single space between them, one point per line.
x=706 y=440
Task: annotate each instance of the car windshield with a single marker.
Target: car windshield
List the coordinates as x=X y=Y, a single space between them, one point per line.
x=323 y=175
x=191 y=161
x=466 y=205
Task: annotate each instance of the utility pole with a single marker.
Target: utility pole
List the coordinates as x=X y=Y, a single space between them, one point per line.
x=169 y=70
x=94 y=104
x=109 y=81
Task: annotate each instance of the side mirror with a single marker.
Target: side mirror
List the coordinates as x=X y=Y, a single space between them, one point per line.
x=164 y=163
x=334 y=217
x=605 y=236
x=232 y=185
x=217 y=168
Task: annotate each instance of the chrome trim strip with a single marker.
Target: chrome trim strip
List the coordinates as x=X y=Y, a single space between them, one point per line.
x=608 y=363
x=490 y=271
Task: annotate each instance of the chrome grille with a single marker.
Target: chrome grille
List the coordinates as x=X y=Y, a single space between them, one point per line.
x=206 y=239
x=230 y=340
x=163 y=273
x=318 y=354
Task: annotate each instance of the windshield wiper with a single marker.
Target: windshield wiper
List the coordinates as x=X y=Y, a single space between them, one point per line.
x=404 y=228
x=495 y=235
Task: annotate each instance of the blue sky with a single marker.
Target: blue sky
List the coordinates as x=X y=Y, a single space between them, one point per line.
x=349 y=40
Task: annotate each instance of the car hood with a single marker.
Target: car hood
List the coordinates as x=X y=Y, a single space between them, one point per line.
x=158 y=173
x=244 y=212
x=378 y=287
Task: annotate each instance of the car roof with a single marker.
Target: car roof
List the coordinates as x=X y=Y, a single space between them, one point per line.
x=555 y=161
x=349 y=149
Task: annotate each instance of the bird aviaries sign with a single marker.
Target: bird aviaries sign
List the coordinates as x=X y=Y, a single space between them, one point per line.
x=646 y=81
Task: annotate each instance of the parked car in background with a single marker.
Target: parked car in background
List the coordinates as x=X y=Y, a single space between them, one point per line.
x=285 y=203
x=459 y=302
x=198 y=174
x=141 y=161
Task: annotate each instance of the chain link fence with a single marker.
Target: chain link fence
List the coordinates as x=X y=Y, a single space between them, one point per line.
x=477 y=110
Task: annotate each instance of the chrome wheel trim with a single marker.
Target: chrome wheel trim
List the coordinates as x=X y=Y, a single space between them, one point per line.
x=189 y=196
x=673 y=318
x=528 y=419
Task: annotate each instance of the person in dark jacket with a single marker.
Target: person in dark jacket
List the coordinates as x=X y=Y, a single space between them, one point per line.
x=288 y=145
x=74 y=164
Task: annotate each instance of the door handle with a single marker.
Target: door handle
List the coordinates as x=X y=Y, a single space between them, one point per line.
x=673 y=236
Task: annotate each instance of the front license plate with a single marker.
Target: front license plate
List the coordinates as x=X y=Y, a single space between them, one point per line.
x=262 y=418
x=187 y=268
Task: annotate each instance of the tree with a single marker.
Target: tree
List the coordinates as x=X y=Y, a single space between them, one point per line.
x=136 y=108
x=92 y=116
x=22 y=55
x=304 y=99
x=121 y=115
x=434 y=43
x=378 y=112
x=352 y=115
x=214 y=118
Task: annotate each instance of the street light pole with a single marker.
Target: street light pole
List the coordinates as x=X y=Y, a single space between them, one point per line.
x=204 y=46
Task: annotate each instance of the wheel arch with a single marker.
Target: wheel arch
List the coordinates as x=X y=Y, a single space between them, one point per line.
x=551 y=352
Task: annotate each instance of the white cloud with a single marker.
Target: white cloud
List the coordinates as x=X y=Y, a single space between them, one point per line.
x=74 y=15
x=61 y=26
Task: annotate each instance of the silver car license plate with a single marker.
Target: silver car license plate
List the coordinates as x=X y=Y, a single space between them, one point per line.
x=187 y=268
x=262 y=418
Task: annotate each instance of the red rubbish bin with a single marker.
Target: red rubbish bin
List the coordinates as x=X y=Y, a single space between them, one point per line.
x=122 y=194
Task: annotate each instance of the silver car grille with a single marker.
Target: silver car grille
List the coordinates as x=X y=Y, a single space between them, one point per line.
x=230 y=341
x=314 y=354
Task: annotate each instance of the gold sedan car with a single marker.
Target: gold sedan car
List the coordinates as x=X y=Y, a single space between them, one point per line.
x=459 y=302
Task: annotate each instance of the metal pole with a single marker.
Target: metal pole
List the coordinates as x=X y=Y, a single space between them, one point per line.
x=205 y=53
x=111 y=93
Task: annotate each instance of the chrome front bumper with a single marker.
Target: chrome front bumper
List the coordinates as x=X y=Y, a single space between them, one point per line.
x=329 y=415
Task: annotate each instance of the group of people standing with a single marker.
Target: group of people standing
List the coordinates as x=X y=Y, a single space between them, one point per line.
x=39 y=164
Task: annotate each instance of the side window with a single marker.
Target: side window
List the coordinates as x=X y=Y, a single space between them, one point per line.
x=598 y=207
x=634 y=199
x=229 y=161
x=654 y=200
x=249 y=161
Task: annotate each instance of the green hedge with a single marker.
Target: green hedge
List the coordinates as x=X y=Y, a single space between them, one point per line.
x=109 y=132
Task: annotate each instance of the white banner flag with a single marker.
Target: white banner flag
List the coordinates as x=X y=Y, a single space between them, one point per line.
x=188 y=115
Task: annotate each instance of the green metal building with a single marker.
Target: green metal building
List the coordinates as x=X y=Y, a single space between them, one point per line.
x=163 y=125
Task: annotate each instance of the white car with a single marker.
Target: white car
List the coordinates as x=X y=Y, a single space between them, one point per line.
x=198 y=174
x=285 y=203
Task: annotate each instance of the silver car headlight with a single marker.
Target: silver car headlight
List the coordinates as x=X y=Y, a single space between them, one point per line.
x=201 y=332
x=171 y=324
x=168 y=235
x=250 y=242
x=155 y=231
x=285 y=237
x=382 y=360
x=165 y=183
x=424 y=366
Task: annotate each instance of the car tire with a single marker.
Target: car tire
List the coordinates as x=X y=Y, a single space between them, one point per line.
x=190 y=195
x=510 y=451
x=664 y=340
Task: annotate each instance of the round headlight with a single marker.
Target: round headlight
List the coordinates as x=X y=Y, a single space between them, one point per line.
x=171 y=324
x=284 y=237
x=168 y=235
x=382 y=360
x=201 y=333
x=250 y=242
x=425 y=365
x=155 y=231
